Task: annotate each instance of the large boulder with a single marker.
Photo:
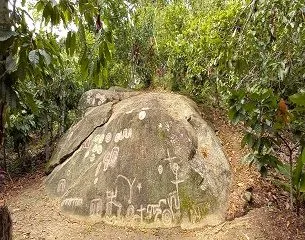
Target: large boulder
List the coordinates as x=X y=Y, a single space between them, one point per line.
x=142 y=159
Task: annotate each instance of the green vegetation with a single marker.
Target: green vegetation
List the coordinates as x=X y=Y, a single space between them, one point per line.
x=244 y=56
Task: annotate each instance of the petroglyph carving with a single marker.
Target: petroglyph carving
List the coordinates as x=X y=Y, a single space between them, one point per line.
x=108 y=137
x=99 y=138
x=167 y=218
x=142 y=115
x=124 y=134
x=168 y=208
x=97 y=172
x=118 y=137
x=61 y=187
x=169 y=158
x=96 y=207
x=198 y=212
x=92 y=158
x=114 y=156
x=160 y=169
x=87 y=154
x=130 y=186
x=86 y=144
x=89 y=98
x=141 y=211
x=130 y=212
x=129 y=112
x=98 y=99
x=111 y=158
x=98 y=169
x=106 y=161
x=111 y=202
x=139 y=186
x=173 y=201
x=97 y=148
x=167 y=126
x=72 y=202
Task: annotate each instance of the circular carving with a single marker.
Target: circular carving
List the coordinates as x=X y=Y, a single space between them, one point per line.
x=160 y=169
x=108 y=137
x=142 y=115
x=167 y=217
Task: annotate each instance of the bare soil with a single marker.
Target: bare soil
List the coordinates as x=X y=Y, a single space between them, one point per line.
x=267 y=216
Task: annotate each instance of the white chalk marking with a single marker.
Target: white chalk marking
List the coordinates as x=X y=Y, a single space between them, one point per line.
x=86 y=154
x=108 y=137
x=160 y=169
x=95 y=181
x=97 y=171
x=92 y=157
x=106 y=161
x=130 y=186
x=72 y=202
x=114 y=156
x=61 y=187
x=96 y=206
x=142 y=115
x=117 y=137
x=129 y=111
x=139 y=186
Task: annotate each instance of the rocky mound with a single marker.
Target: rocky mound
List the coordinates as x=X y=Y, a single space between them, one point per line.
x=141 y=159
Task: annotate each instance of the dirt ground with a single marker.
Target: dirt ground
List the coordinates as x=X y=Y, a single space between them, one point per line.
x=267 y=216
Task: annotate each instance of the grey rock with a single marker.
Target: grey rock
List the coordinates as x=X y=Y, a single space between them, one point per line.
x=145 y=160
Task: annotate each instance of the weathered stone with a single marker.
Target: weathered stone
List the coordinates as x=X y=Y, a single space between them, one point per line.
x=98 y=97
x=154 y=163
x=79 y=132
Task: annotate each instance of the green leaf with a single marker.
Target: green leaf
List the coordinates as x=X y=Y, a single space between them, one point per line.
x=46 y=56
x=106 y=51
x=270 y=160
x=47 y=12
x=298 y=98
x=73 y=43
x=10 y=64
x=39 y=6
x=34 y=57
x=249 y=159
x=283 y=185
x=248 y=139
x=302 y=183
x=299 y=168
x=4 y=35
x=284 y=169
x=68 y=42
x=84 y=64
x=30 y=102
x=108 y=36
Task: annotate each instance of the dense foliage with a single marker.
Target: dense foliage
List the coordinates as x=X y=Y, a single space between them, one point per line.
x=246 y=56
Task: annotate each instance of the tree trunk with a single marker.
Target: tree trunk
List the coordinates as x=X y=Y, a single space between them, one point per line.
x=5 y=222
x=63 y=113
x=5 y=23
x=48 y=143
x=1 y=122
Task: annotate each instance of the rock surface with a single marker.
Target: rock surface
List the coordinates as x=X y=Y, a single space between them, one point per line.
x=141 y=159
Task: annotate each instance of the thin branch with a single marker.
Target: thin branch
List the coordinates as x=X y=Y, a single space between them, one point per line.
x=285 y=142
x=3 y=74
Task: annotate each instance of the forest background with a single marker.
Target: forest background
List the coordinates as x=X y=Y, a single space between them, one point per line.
x=245 y=57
